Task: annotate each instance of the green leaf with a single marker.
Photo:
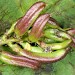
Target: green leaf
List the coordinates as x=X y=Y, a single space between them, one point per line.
x=65 y=66
x=7 y=70
x=62 y=10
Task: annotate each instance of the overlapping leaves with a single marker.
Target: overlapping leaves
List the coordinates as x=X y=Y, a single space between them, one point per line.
x=62 y=10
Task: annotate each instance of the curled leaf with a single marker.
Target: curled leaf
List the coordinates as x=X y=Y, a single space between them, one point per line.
x=37 y=28
x=18 y=60
x=46 y=56
x=24 y=24
x=57 y=46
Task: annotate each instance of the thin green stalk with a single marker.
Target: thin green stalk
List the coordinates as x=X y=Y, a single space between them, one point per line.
x=8 y=40
x=15 y=47
x=9 y=31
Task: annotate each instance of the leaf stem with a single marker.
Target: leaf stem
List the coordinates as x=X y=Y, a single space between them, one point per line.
x=9 y=31
x=8 y=40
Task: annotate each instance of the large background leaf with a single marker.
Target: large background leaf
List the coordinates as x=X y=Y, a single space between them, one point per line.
x=62 y=10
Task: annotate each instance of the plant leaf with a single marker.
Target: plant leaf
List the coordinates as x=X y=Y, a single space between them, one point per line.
x=62 y=10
